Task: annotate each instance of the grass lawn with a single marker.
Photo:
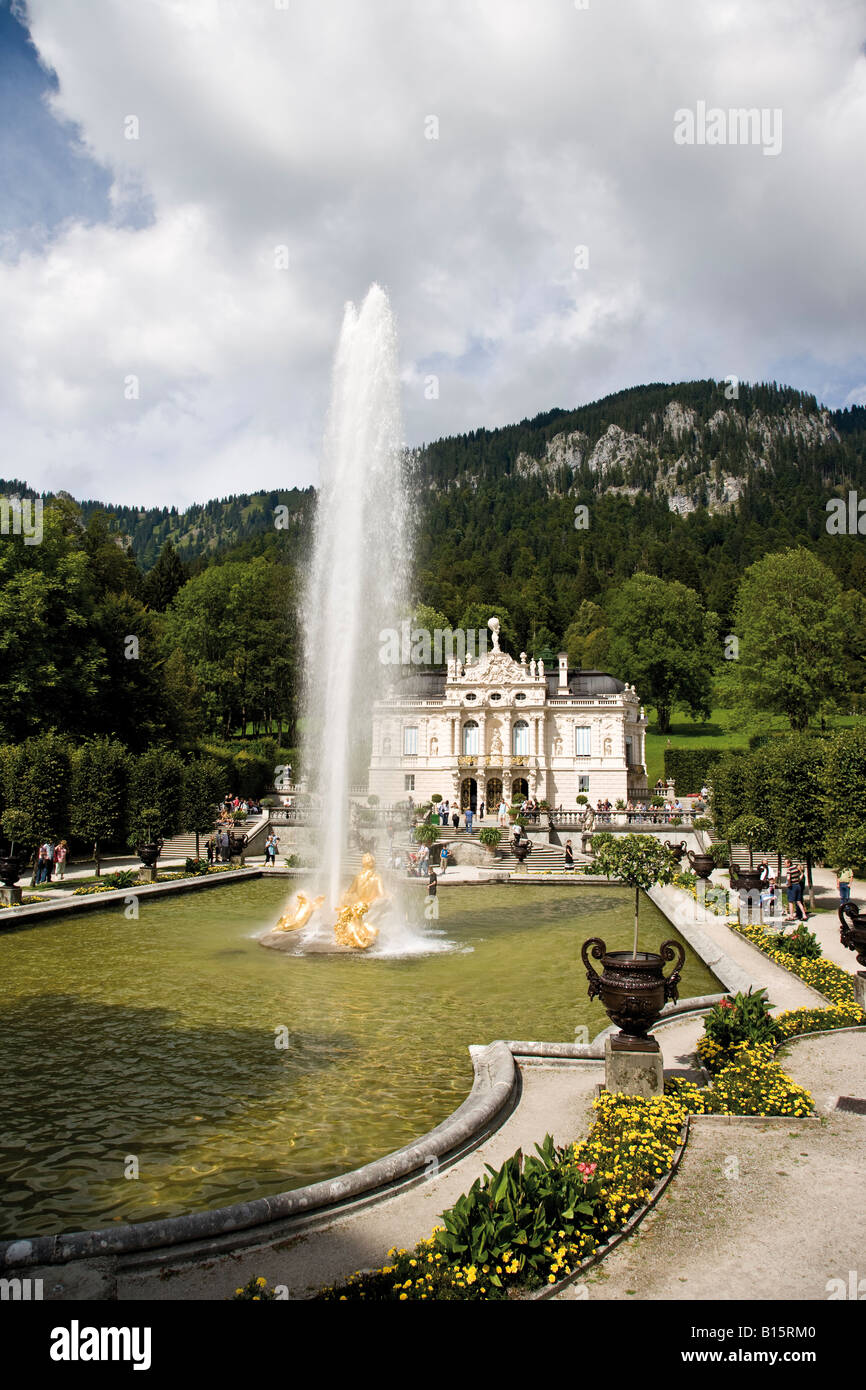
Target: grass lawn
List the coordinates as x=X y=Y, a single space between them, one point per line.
x=722 y=730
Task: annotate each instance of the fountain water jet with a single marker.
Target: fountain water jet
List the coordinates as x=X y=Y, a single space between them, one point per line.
x=358 y=585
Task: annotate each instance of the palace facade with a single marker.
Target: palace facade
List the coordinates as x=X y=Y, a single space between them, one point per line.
x=497 y=728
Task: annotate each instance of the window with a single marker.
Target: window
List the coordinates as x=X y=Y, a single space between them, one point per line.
x=583 y=784
x=469 y=697
x=409 y=782
x=495 y=696
x=470 y=737
x=521 y=737
x=582 y=735
x=410 y=738
x=628 y=757
x=520 y=697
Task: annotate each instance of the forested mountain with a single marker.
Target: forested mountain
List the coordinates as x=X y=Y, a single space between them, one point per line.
x=677 y=481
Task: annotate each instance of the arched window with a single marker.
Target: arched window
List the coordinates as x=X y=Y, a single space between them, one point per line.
x=470 y=737
x=521 y=737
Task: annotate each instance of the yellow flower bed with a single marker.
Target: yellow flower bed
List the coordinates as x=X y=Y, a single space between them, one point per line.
x=823 y=975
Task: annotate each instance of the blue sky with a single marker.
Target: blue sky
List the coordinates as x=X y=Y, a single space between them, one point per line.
x=156 y=350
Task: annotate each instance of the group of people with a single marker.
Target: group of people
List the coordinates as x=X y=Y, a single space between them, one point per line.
x=51 y=858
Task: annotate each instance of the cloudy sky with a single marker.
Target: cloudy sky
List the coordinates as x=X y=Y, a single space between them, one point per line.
x=191 y=189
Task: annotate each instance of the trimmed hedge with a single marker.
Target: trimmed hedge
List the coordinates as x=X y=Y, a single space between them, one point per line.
x=689 y=768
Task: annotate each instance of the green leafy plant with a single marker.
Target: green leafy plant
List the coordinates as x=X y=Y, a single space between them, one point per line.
x=490 y=836
x=121 y=878
x=741 y=1018
x=426 y=834
x=196 y=867
x=581 y=799
x=802 y=944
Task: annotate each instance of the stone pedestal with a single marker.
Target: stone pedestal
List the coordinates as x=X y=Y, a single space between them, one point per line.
x=860 y=989
x=236 y=860
x=10 y=896
x=633 y=1072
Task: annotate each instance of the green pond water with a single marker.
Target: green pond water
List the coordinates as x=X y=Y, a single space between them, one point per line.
x=155 y=1039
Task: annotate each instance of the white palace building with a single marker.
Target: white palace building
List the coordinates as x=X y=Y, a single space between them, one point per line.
x=498 y=727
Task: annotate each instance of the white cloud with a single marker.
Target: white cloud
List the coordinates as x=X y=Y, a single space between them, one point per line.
x=305 y=127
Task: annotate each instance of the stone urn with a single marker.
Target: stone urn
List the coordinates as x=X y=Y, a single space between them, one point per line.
x=745 y=880
x=12 y=866
x=703 y=864
x=633 y=988
x=677 y=851
x=521 y=849
x=853 y=930
x=149 y=852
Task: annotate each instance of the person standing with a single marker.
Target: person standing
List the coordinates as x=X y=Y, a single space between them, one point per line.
x=443 y=859
x=503 y=815
x=844 y=879
x=455 y=818
x=49 y=861
x=794 y=888
x=469 y=820
x=481 y=810
x=569 y=855
x=60 y=853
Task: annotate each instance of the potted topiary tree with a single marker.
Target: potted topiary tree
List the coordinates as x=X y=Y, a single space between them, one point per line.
x=633 y=988
x=143 y=838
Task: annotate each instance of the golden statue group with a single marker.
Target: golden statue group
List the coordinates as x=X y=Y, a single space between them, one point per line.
x=351 y=927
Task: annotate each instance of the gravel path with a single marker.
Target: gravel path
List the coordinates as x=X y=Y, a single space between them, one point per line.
x=758 y=1210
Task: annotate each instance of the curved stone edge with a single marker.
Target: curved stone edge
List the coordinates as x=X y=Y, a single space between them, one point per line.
x=601 y=1253
x=495 y=1081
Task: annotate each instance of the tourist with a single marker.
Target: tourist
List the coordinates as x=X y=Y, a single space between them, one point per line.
x=455 y=818
x=60 y=853
x=208 y=849
x=794 y=889
x=569 y=855
x=42 y=864
x=844 y=879
x=469 y=820
x=271 y=851
x=481 y=810
x=432 y=884
x=49 y=861
x=224 y=844
x=503 y=815
x=443 y=859
x=424 y=861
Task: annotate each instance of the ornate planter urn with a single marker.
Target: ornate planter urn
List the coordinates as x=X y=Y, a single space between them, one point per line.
x=676 y=850
x=745 y=880
x=633 y=988
x=149 y=853
x=521 y=850
x=853 y=930
x=703 y=864
x=11 y=868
